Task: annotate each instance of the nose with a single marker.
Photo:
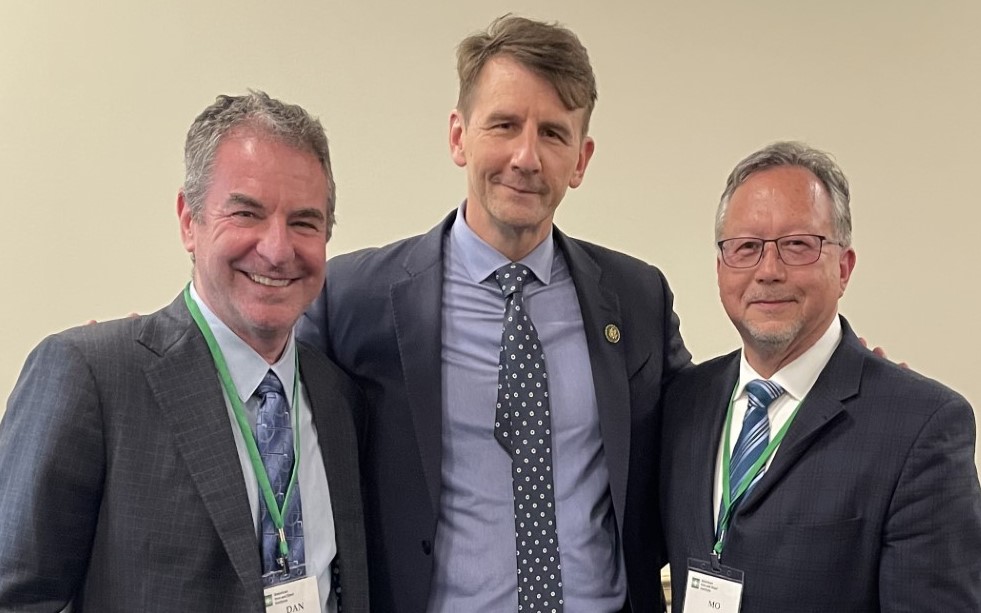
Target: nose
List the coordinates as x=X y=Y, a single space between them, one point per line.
x=771 y=267
x=275 y=244
x=525 y=157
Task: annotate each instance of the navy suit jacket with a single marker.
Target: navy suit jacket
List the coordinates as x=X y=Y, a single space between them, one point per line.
x=380 y=319
x=120 y=485
x=870 y=504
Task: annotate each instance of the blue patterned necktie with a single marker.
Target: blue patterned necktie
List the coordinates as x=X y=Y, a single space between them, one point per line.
x=523 y=427
x=274 y=438
x=755 y=435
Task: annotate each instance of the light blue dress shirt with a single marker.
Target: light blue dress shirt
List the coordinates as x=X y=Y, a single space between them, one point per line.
x=475 y=567
x=247 y=369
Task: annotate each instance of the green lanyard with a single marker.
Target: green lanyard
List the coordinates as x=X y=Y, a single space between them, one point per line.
x=730 y=498
x=275 y=512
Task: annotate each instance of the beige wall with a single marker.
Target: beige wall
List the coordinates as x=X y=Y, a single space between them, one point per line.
x=95 y=99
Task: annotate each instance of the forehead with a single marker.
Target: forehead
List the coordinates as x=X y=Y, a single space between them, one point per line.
x=786 y=198
x=505 y=84
x=264 y=167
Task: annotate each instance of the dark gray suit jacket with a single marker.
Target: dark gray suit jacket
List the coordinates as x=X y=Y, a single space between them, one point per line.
x=380 y=319
x=120 y=484
x=871 y=503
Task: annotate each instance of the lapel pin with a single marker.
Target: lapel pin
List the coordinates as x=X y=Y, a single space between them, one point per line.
x=612 y=333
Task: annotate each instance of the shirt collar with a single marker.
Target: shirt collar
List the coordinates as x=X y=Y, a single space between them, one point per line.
x=245 y=365
x=798 y=377
x=480 y=259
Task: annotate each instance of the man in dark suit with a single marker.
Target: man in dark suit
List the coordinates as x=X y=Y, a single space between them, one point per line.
x=177 y=462
x=419 y=325
x=804 y=473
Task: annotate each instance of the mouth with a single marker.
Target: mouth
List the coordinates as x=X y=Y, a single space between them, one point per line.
x=268 y=281
x=525 y=189
x=771 y=303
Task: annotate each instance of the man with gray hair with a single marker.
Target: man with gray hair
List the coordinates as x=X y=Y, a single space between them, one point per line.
x=804 y=473
x=198 y=458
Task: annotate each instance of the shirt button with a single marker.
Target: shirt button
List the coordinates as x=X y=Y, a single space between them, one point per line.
x=427 y=547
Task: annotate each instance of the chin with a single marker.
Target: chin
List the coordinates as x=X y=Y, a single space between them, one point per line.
x=773 y=335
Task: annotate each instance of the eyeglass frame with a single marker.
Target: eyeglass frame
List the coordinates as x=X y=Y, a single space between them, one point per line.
x=776 y=245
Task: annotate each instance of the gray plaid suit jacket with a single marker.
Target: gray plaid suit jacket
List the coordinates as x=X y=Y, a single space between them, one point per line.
x=120 y=485
x=871 y=504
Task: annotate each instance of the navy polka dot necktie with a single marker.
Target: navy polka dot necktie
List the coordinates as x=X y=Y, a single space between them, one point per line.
x=523 y=428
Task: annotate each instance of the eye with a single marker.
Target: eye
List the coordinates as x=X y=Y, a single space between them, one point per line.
x=743 y=246
x=798 y=244
x=553 y=134
x=306 y=225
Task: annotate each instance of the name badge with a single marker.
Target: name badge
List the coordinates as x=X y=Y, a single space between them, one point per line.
x=300 y=596
x=712 y=590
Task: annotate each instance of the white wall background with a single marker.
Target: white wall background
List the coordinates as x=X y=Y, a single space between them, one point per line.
x=95 y=99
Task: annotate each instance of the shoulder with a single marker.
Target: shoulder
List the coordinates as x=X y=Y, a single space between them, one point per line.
x=865 y=379
x=383 y=265
x=318 y=367
x=638 y=286
x=700 y=376
x=906 y=391
x=617 y=264
x=115 y=348
x=373 y=258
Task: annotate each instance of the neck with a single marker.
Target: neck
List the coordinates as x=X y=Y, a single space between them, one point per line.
x=515 y=243
x=512 y=241
x=270 y=351
x=765 y=364
x=519 y=248
x=269 y=344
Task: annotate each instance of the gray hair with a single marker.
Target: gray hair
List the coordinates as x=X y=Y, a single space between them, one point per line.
x=791 y=153
x=289 y=123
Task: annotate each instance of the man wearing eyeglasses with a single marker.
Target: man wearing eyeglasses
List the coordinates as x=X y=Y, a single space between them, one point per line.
x=804 y=473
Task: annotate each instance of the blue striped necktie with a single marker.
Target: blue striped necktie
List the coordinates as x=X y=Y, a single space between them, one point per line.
x=755 y=435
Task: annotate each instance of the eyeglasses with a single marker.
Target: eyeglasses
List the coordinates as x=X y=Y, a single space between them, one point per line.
x=793 y=249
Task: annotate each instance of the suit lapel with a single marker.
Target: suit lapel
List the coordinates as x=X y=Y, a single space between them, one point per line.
x=599 y=306
x=417 y=303
x=822 y=407
x=186 y=387
x=707 y=440
x=332 y=419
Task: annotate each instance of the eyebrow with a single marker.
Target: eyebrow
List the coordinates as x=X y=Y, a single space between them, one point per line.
x=309 y=213
x=252 y=203
x=558 y=127
x=242 y=199
x=499 y=116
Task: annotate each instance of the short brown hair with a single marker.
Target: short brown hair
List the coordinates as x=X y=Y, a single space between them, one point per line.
x=547 y=49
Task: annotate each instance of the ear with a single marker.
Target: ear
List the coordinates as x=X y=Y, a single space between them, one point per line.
x=585 y=153
x=458 y=129
x=846 y=264
x=184 y=216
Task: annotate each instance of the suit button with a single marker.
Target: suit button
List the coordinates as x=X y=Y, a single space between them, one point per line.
x=427 y=547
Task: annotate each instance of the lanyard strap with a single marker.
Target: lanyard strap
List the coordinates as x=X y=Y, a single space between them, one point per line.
x=729 y=498
x=275 y=511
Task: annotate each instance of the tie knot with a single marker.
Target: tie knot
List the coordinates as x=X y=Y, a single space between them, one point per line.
x=270 y=385
x=511 y=277
x=762 y=392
